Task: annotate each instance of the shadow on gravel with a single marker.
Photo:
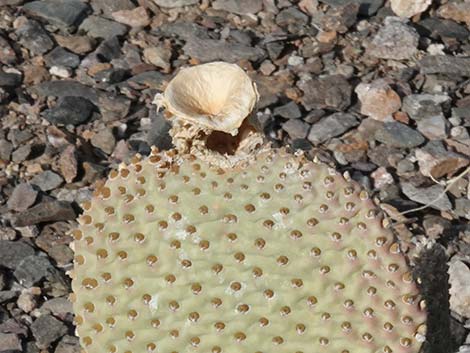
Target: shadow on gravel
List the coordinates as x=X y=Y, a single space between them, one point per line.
x=432 y=268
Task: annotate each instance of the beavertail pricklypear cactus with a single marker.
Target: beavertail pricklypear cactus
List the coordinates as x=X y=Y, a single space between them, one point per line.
x=226 y=245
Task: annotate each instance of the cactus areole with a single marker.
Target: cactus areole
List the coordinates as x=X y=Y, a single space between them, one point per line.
x=227 y=245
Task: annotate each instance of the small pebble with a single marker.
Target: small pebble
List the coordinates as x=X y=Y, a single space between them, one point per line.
x=378 y=100
x=395 y=40
x=399 y=135
x=434 y=196
x=104 y=140
x=459 y=277
x=47 y=180
x=23 y=196
x=10 y=343
x=137 y=17
x=46 y=330
x=409 y=8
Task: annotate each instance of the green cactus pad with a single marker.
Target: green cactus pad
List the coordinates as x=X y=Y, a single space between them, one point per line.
x=278 y=255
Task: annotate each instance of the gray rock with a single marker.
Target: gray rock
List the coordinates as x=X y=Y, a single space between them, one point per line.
x=296 y=128
x=59 y=307
x=7 y=54
x=61 y=254
x=301 y=144
x=4 y=315
x=107 y=7
x=66 y=88
x=69 y=110
x=369 y=7
x=108 y=50
x=7 y=295
x=366 y=7
x=13 y=325
x=111 y=76
x=10 y=343
x=445 y=64
x=436 y=161
x=275 y=49
x=19 y=137
x=13 y=252
x=241 y=36
x=207 y=50
x=61 y=57
x=433 y=195
x=175 y=3
x=99 y=27
x=419 y=106
x=46 y=330
x=158 y=133
x=33 y=37
x=314 y=116
x=338 y=18
x=329 y=92
x=439 y=28
x=241 y=7
x=291 y=16
x=9 y=79
x=395 y=134
x=434 y=127
x=11 y=2
x=21 y=153
x=185 y=30
x=158 y=56
x=462 y=208
x=436 y=226
x=5 y=149
x=2 y=287
x=68 y=344
x=288 y=111
x=22 y=197
x=459 y=279
x=395 y=40
x=331 y=126
x=152 y=79
x=47 y=180
x=405 y=166
x=47 y=211
x=30 y=347
x=461 y=115
x=33 y=269
x=61 y=13
x=113 y=107
x=104 y=140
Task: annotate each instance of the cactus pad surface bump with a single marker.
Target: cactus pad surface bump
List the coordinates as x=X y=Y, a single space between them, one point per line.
x=279 y=255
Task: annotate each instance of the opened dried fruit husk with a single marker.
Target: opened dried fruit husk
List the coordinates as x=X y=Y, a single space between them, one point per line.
x=212 y=249
x=218 y=96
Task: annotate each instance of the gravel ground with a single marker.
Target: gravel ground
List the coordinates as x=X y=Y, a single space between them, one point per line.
x=380 y=89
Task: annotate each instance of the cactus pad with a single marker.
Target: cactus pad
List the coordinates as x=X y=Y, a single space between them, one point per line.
x=278 y=255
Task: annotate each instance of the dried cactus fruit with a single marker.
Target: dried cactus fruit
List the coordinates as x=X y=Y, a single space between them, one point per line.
x=176 y=253
x=209 y=105
x=217 y=95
